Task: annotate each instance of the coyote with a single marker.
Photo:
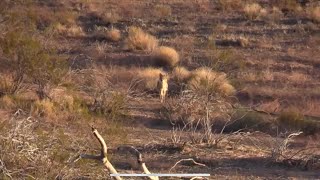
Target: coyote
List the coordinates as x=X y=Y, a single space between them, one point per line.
x=162 y=86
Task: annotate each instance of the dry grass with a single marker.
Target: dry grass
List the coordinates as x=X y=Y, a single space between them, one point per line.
x=291 y=5
x=15 y=102
x=252 y=11
x=69 y=31
x=299 y=78
x=6 y=102
x=114 y=35
x=44 y=108
x=140 y=40
x=166 y=56
x=63 y=98
x=149 y=77
x=314 y=13
x=274 y=15
x=99 y=32
x=6 y=84
x=181 y=74
x=228 y=5
x=108 y=17
x=162 y=10
x=204 y=80
x=97 y=49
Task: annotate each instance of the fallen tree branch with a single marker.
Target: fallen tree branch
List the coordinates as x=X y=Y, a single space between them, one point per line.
x=103 y=156
x=190 y=159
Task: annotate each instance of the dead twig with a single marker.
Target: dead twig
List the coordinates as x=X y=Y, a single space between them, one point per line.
x=189 y=159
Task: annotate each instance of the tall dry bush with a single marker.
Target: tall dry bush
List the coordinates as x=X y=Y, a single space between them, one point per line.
x=149 y=78
x=206 y=81
x=166 y=56
x=314 y=13
x=139 y=40
x=181 y=74
x=252 y=11
x=287 y=5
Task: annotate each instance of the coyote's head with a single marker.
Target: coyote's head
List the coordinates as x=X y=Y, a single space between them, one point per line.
x=163 y=77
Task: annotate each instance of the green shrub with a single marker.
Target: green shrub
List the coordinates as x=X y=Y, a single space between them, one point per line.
x=27 y=59
x=112 y=106
x=294 y=120
x=223 y=60
x=15 y=102
x=248 y=120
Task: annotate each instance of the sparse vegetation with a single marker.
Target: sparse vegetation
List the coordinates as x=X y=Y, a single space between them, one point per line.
x=238 y=90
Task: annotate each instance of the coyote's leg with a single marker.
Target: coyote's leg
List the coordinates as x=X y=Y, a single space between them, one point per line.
x=163 y=95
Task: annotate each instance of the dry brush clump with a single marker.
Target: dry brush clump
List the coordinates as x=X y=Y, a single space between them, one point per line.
x=162 y=11
x=69 y=30
x=181 y=74
x=206 y=81
x=149 y=78
x=113 y=34
x=139 y=40
x=7 y=102
x=9 y=84
x=108 y=17
x=166 y=56
x=314 y=13
x=272 y=15
x=252 y=11
x=288 y=5
x=227 y=5
x=44 y=108
x=200 y=115
x=15 y=102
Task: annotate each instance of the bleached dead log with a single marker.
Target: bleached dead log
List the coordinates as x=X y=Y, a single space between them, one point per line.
x=103 y=156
